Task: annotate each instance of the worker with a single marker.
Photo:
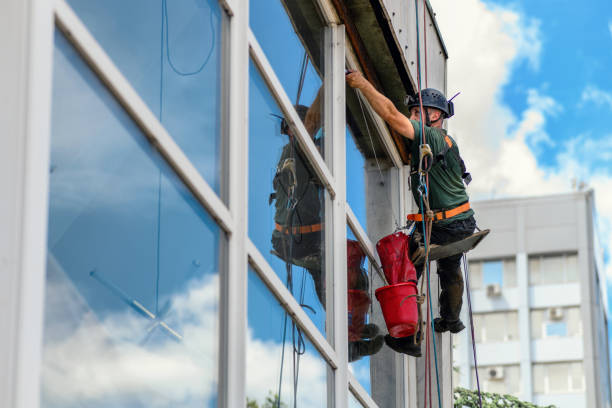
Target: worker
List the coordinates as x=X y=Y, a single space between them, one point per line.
x=448 y=199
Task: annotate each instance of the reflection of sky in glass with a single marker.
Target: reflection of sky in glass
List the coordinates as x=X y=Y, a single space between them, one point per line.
x=493 y=273
x=131 y=304
x=268 y=324
x=355 y=179
x=361 y=367
x=189 y=106
x=265 y=147
x=283 y=48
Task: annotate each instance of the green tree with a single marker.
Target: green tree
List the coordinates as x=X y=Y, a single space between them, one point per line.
x=469 y=398
x=271 y=401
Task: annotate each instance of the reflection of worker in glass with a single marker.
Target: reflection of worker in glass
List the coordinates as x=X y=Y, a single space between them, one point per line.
x=298 y=234
x=447 y=193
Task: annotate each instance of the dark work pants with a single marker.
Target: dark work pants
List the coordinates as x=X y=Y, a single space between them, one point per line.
x=449 y=269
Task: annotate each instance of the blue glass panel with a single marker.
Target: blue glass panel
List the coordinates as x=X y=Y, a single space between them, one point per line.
x=493 y=273
x=280 y=359
x=355 y=179
x=290 y=33
x=170 y=51
x=276 y=201
x=365 y=337
x=132 y=289
x=556 y=329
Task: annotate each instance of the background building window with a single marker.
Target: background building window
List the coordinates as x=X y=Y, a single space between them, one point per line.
x=556 y=322
x=503 y=379
x=553 y=269
x=496 y=327
x=495 y=272
x=558 y=378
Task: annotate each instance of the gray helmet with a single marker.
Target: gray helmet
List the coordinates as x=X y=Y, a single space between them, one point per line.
x=432 y=98
x=301 y=111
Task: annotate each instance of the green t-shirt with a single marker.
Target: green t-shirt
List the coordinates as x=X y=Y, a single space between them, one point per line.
x=446 y=188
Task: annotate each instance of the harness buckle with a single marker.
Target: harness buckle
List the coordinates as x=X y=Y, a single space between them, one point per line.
x=424 y=153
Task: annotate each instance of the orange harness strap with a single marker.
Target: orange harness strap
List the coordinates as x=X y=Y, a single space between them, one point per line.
x=304 y=229
x=441 y=215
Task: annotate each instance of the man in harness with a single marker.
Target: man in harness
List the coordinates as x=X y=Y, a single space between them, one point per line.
x=448 y=199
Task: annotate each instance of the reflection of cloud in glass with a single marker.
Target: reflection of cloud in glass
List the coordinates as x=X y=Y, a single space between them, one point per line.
x=92 y=360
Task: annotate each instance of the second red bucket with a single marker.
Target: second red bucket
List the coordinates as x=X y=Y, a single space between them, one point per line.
x=400 y=308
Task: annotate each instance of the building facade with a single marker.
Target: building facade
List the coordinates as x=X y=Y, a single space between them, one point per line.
x=155 y=249
x=539 y=302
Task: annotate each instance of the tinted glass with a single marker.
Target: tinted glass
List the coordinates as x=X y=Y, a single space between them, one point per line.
x=131 y=302
x=355 y=179
x=353 y=402
x=286 y=204
x=291 y=35
x=365 y=337
x=170 y=51
x=280 y=358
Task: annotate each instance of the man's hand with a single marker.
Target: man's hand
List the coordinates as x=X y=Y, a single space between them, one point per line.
x=355 y=80
x=381 y=104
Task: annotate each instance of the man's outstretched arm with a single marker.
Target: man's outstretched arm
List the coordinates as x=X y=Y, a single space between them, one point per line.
x=382 y=105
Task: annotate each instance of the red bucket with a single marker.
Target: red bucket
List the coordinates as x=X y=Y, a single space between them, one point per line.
x=399 y=307
x=358 y=304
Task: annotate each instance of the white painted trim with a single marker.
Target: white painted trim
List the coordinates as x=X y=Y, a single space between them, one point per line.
x=381 y=128
x=99 y=61
x=360 y=393
x=288 y=302
x=234 y=325
x=308 y=147
x=26 y=40
x=335 y=125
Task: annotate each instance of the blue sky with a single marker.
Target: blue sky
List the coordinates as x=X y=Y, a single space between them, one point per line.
x=536 y=117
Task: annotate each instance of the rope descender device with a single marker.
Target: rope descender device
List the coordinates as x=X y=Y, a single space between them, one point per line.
x=424 y=153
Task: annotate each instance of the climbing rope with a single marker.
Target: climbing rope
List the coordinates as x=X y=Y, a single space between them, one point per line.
x=469 y=299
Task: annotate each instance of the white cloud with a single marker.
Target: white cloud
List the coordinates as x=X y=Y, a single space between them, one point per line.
x=594 y=95
x=499 y=147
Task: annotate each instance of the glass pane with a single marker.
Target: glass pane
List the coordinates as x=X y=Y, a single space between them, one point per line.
x=281 y=361
x=552 y=270
x=577 y=376
x=573 y=321
x=572 y=268
x=365 y=337
x=475 y=275
x=513 y=380
x=495 y=324
x=284 y=191
x=534 y=271
x=558 y=376
x=492 y=273
x=510 y=273
x=512 y=326
x=132 y=289
x=537 y=322
x=355 y=179
x=556 y=329
x=170 y=51
x=291 y=34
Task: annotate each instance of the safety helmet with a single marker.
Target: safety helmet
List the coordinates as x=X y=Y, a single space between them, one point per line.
x=432 y=98
x=301 y=111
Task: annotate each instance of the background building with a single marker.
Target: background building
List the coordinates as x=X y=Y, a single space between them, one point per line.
x=539 y=300
x=139 y=150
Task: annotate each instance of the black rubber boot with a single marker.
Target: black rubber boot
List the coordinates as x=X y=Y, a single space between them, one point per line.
x=404 y=345
x=441 y=325
x=360 y=348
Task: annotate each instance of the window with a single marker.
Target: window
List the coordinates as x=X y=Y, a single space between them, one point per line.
x=171 y=52
x=558 y=378
x=290 y=236
x=291 y=34
x=498 y=272
x=556 y=322
x=132 y=287
x=496 y=327
x=553 y=269
x=281 y=361
x=505 y=379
